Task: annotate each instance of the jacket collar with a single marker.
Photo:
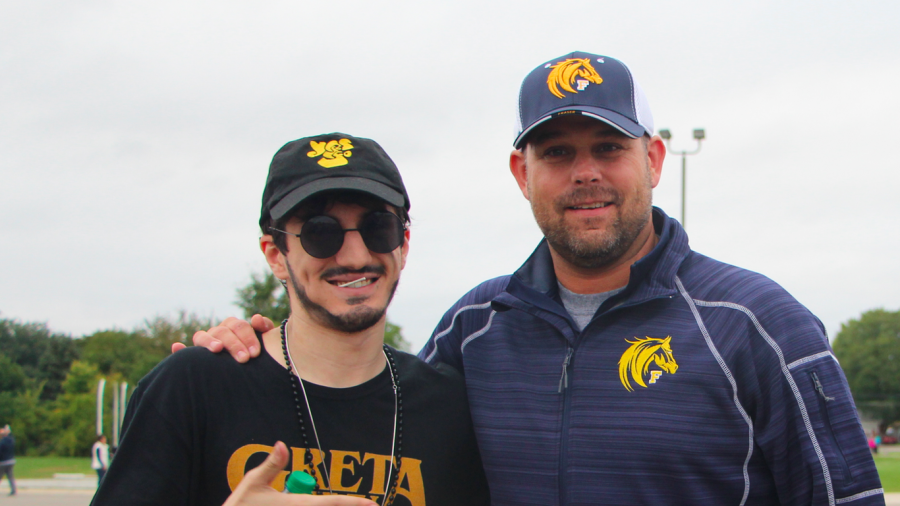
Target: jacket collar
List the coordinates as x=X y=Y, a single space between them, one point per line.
x=651 y=277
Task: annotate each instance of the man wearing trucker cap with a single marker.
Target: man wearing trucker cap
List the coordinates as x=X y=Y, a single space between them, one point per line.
x=367 y=423
x=617 y=366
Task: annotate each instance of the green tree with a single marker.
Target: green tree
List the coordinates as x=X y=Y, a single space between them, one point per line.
x=163 y=331
x=117 y=352
x=28 y=416
x=44 y=356
x=20 y=405
x=393 y=336
x=264 y=295
x=12 y=377
x=869 y=352
x=33 y=364
x=131 y=355
x=48 y=381
x=73 y=416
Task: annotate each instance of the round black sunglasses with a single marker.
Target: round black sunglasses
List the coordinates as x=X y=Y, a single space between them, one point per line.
x=322 y=236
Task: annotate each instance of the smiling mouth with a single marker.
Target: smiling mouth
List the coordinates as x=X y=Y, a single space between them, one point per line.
x=342 y=277
x=358 y=283
x=597 y=205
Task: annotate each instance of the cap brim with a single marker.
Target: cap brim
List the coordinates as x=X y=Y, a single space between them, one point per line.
x=290 y=201
x=613 y=119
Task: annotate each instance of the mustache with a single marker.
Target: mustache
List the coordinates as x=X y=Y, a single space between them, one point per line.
x=585 y=193
x=340 y=271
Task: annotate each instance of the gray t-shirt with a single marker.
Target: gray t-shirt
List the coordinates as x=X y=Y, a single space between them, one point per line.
x=582 y=307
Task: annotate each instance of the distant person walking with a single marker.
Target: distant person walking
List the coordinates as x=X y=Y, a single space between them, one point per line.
x=7 y=457
x=100 y=457
x=874 y=442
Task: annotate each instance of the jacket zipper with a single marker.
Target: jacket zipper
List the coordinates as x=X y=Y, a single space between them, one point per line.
x=564 y=441
x=832 y=439
x=563 y=388
x=564 y=380
x=818 y=385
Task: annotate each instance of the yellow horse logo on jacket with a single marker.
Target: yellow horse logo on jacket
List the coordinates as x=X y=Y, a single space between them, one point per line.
x=635 y=362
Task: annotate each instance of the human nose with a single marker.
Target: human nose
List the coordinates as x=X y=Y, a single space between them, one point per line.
x=354 y=253
x=586 y=170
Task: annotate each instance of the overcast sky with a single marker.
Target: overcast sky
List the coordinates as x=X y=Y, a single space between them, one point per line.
x=135 y=139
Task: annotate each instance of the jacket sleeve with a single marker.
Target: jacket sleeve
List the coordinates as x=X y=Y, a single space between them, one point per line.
x=804 y=418
x=443 y=346
x=466 y=318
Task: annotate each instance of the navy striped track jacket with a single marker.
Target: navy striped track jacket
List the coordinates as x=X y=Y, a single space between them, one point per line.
x=700 y=383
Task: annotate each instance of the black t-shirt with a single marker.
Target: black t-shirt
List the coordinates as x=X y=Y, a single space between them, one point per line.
x=199 y=421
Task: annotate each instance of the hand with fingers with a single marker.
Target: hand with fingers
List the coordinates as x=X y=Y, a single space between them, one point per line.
x=256 y=487
x=236 y=336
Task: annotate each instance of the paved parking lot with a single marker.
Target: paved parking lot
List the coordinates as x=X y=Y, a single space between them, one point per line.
x=50 y=492
x=47 y=498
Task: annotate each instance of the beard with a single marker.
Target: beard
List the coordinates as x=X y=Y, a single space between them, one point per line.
x=594 y=248
x=355 y=320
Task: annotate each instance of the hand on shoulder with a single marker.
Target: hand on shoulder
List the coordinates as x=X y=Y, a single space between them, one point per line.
x=236 y=336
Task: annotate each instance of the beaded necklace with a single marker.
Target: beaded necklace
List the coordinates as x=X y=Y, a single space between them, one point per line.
x=396 y=444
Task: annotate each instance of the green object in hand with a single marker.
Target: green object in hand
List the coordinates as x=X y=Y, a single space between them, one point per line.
x=299 y=482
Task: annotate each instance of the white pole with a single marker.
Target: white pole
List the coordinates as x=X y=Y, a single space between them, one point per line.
x=101 y=385
x=115 y=417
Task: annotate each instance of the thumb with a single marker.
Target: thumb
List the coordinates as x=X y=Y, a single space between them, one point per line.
x=266 y=472
x=178 y=347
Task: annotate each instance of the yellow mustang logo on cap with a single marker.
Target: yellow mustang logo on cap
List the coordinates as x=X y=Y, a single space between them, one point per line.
x=566 y=73
x=638 y=357
x=333 y=153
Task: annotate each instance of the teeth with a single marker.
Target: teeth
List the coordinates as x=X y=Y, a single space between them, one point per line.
x=359 y=283
x=591 y=206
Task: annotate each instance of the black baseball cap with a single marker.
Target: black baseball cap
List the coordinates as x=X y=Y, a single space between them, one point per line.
x=592 y=85
x=335 y=161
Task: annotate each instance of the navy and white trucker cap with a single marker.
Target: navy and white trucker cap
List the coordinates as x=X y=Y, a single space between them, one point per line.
x=592 y=85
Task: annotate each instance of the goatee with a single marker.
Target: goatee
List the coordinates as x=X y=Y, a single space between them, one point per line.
x=357 y=319
x=589 y=249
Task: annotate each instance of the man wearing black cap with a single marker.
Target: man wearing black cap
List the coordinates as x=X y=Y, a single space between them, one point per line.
x=368 y=423
x=617 y=366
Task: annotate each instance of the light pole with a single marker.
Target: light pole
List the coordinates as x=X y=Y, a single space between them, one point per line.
x=101 y=386
x=699 y=135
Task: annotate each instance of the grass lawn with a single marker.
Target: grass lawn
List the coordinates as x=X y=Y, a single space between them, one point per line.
x=889 y=470
x=44 y=467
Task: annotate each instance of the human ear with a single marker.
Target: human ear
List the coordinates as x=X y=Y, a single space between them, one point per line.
x=404 y=249
x=274 y=257
x=519 y=170
x=656 y=153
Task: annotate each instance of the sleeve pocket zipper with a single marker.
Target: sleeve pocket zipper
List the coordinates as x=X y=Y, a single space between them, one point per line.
x=818 y=385
x=844 y=470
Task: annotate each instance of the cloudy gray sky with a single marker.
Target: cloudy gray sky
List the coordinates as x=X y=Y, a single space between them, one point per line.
x=135 y=139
